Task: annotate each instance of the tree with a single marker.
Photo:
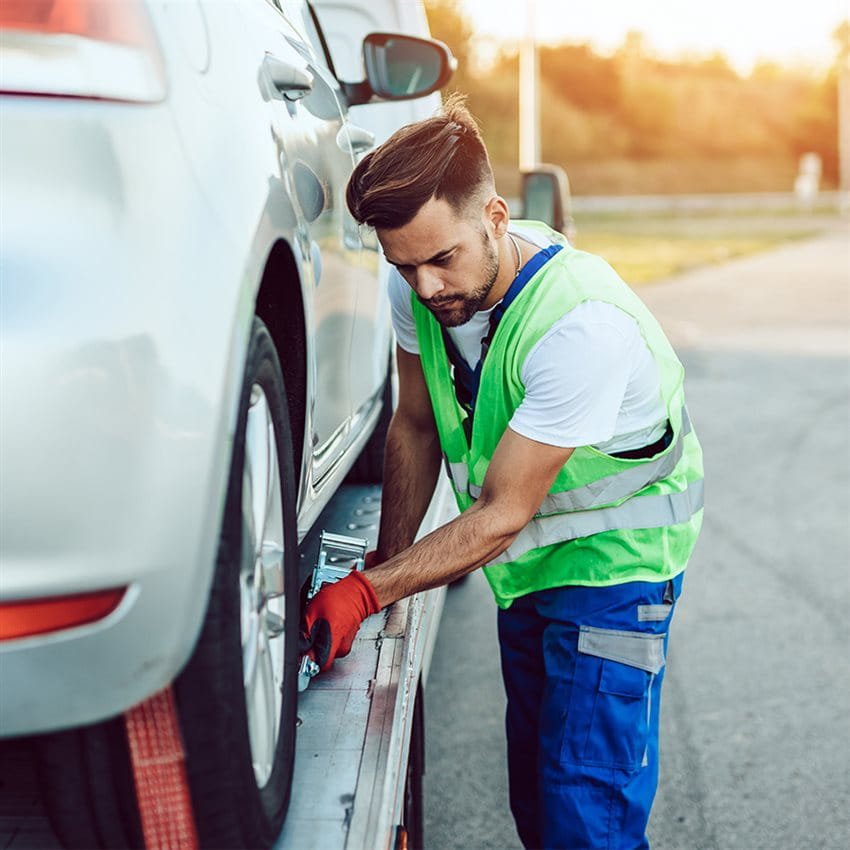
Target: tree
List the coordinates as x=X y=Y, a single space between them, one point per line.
x=451 y=26
x=582 y=76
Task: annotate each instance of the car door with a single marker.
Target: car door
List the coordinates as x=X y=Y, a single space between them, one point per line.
x=343 y=27
x=367 y=367
x=316 y=161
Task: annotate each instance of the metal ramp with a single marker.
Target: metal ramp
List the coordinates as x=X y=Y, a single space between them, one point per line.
x=353 y=722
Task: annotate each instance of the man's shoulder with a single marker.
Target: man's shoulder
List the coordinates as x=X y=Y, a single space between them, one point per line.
x=398 y=291
x=586 y=323
x=536 y=232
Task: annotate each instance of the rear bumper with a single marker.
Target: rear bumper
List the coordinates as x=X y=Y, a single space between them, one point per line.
x=82 y=675
x=122 y=358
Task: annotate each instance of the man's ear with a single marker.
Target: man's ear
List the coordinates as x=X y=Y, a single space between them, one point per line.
x=497 y=215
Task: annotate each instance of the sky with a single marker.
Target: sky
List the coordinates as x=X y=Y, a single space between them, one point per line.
x=746 y=31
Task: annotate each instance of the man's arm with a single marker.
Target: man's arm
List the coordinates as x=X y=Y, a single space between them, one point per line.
x=518 y=478
x=411 y=460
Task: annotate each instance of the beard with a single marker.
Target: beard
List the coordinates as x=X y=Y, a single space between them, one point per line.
x=464 y=307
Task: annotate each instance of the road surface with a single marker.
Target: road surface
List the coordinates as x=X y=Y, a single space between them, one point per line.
x=755 y=743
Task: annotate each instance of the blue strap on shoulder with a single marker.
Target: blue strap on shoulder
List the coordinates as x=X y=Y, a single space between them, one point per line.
x=468 y=380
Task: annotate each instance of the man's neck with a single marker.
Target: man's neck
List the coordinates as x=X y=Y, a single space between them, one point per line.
x=509 y=266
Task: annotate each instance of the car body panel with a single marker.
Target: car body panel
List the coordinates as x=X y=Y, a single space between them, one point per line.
x=133 y=241
x=345 y=24
x=113 y=421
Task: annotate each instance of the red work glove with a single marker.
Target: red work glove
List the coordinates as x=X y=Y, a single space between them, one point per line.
x=334 y=615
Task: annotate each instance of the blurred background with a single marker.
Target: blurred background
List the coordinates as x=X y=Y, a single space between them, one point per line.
x=650 y=107
x=658 y=97
x=707 y=149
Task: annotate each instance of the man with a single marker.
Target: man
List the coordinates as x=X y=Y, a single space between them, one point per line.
x=557 y=406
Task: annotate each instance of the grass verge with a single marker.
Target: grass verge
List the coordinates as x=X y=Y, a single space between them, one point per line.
x=644 y=249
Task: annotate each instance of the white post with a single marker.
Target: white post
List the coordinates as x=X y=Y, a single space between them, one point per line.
x=842 y=39
x=844 y=133
x=529 y=100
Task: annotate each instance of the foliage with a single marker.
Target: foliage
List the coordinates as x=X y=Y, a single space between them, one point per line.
x=448 y=24
x=696 y=118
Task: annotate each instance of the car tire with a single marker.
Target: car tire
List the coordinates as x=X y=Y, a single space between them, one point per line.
x=87 y=786
x=413 y=817
x=369 y=466
x=237 y=696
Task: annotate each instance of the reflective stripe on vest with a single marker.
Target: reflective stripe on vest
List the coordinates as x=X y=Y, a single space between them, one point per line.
x=640 y=512
x=612 y=488
x=459 y=475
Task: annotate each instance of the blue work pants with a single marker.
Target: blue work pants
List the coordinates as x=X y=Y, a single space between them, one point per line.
x=583 y=668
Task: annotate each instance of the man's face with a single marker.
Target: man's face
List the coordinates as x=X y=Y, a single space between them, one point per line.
x=449 y=260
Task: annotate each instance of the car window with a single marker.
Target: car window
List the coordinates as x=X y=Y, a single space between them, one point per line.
x=300 y=15
x=293 y=33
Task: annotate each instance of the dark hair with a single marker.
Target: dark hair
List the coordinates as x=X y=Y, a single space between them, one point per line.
x=440 y=157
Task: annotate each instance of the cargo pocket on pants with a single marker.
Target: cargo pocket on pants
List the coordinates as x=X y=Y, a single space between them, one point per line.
x=620 y=667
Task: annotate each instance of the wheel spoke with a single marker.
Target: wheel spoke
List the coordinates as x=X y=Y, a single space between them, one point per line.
x=257 y=438
x=272 y=560
x=263 y=718
x=272 y=496
x=250 y=626
x=262 y=586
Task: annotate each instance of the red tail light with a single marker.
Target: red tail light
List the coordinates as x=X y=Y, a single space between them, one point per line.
x=104 y=20
x=37 y=616
x=80 y=48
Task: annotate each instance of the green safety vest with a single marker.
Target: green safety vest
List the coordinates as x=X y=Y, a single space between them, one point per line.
x=605 y=520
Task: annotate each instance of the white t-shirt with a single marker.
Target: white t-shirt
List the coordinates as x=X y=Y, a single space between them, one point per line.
x=589 y=381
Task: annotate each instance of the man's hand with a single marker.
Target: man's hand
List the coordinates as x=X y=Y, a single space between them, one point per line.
x=334 y=615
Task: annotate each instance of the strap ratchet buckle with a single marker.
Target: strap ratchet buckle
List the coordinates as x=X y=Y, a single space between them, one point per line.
x=338 y=556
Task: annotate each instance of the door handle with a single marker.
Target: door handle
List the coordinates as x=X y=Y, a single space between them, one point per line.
x=290 y=80
x=355 y=139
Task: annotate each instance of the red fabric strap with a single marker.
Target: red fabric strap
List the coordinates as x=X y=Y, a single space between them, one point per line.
x=159 y=770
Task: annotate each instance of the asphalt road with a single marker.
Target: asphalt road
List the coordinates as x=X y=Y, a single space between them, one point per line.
x=756 y=708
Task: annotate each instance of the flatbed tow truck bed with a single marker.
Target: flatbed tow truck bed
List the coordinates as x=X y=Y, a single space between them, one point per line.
x=354 y=722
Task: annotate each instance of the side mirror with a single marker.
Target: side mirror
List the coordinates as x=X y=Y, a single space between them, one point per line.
x=401 y=67
x=546 y=198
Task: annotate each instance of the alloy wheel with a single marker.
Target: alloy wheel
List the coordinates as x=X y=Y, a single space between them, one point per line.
x=261 y=584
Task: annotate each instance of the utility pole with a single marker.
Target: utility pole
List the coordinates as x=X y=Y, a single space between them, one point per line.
x=842 y=37
x=529 y=98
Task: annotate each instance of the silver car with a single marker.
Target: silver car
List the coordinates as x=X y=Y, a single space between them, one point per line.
x=195 y=352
